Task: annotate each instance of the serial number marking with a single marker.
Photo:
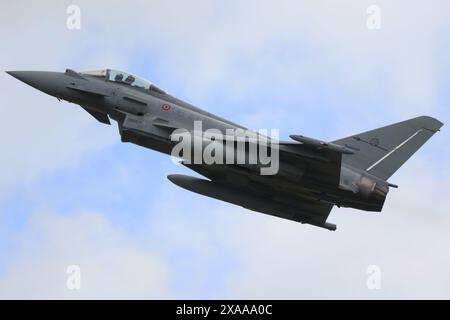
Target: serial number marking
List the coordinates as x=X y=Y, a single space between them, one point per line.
x=225 y=309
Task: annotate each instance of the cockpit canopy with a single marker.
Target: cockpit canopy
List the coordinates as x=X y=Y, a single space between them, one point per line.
x=124 y=78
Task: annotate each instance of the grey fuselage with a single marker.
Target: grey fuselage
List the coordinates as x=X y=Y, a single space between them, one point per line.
x=147 y=117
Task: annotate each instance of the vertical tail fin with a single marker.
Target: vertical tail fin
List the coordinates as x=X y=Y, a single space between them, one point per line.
x=382 y=151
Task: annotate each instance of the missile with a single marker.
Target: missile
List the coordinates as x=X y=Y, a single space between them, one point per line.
x=315 y=143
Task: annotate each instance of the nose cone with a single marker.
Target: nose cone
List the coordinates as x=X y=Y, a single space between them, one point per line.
x=48 y=82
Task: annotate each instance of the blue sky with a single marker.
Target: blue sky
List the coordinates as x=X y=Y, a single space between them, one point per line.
x=72 y=193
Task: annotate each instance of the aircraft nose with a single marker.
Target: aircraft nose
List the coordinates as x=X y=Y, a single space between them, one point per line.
x=48 y=82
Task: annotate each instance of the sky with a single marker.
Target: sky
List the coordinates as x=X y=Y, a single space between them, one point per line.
x=72 y=194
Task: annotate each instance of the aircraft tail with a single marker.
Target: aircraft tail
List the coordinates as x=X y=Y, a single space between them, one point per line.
x=382 y=151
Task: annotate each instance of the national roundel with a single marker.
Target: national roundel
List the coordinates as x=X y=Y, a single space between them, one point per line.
x=165 y=107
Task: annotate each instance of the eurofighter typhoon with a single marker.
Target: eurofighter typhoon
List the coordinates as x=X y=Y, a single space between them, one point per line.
x=299 y=180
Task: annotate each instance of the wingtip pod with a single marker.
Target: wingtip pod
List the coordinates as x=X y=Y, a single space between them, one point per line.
x=319 y=144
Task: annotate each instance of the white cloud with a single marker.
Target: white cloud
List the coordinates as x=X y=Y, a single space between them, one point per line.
x=206 y=249
x=408 y=241
x=290 y=49
x=39 y=134
x=112 y=265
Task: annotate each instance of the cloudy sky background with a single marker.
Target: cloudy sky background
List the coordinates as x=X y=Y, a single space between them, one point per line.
x=71 y=193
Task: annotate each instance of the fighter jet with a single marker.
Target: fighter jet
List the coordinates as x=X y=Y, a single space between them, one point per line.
x=312 y=176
